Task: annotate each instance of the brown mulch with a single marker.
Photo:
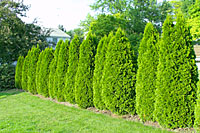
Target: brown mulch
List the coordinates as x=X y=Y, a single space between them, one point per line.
x=126 y=117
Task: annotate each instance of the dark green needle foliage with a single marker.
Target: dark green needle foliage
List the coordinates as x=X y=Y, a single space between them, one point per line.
x=98 y=71
x=18 y=72
x=119 y=76
x=25 y=70
x=61 y=70
x=52 y=74
x=197 y=110
x=176 y=76
x=72 y=69
x=38 y=81
x=84 y=76
x=32 y=69
x=47 y=56
x=146 y=73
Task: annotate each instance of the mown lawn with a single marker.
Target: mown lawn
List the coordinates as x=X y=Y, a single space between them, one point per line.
x=22 y=112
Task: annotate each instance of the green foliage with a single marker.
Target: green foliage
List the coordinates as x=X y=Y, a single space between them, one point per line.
x=146 y=73
x=7 y=77
x=25 y=71
x=119 y=76
x=197 y=110
x=52 y=73
x=32 y=69
x=47 y=56
x=98 y=71
x=76 y=32
x=61 y=70
x=176 y=76
x=18 y=72
x=84 y=76
x=72 y=70
x=38 y=81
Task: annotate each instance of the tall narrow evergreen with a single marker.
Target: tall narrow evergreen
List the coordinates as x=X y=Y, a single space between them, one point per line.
x=61 y=70
x=52 y=74
x=25 y=70
x=47 y=56
x=72 y=69
x=98 y=71
x=146 y=73
x=84 y=76
x=119 y=76
x=38 y=81
x=197 y=110
x=18 y=72
x=32 y=69
x=176 y=76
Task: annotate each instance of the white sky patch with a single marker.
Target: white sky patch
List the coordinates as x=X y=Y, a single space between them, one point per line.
x=50 y=14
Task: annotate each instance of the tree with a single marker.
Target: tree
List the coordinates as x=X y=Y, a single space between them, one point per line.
x=25 y=71
x=61 y=27
x=32 y=69
x=62 y=66
x=47 y=56
x=52 y=73
x=84 y=75
x=38 y=80
x=18 y=72
x=176 y=76
x=72 y=70
x=119 y=75
x=98 y=71
x=146 y=73
x=197 y=110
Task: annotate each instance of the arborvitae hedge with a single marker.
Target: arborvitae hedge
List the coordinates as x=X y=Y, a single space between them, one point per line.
x=98 y=71
x=176 y=76
x=18 y=72
x=61 y=70
x=38 y=81
x=146 y=73
x=52 y=74
x=47 y=56
x=25 y=70
x=119 y=76
x=84 y=75
x=72 y=69
x=197 y=110
x=32 y=69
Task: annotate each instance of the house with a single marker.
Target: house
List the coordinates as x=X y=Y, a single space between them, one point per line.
x=55 y=36
x=197 y=52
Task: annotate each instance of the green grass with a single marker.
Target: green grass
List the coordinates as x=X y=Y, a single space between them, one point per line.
x=22 y=112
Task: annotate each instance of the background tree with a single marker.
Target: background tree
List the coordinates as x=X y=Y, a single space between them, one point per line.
x=78 y=31
x=35 y=52
x=119 y=76
x=177 y=76
x=72 y=70
x=18 y=72
x=146 y=73
x=84 y=75
x=62 y=66
x=61 y=27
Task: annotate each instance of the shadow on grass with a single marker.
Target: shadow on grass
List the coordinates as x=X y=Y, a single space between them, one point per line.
x=4 y=94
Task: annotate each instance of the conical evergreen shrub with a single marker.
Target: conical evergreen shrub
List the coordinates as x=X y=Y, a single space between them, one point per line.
x=52 y=74
x=38 y=81
x=119 y=76
x=146 y=73
x=84 y=75
x=61 y=70
x=32 y=69
x=176 y=76
x=25 y=70
x=72 y=69
x=18 y=72
x=197 y=110
x=47 y=56
x=98 y=71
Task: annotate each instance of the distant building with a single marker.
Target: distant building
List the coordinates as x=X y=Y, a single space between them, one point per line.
x=55 y=36
x=197 y=52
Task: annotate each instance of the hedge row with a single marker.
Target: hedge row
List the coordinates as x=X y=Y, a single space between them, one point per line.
x=104 y=75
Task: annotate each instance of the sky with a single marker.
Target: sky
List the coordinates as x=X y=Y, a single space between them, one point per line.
x=51 y=13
